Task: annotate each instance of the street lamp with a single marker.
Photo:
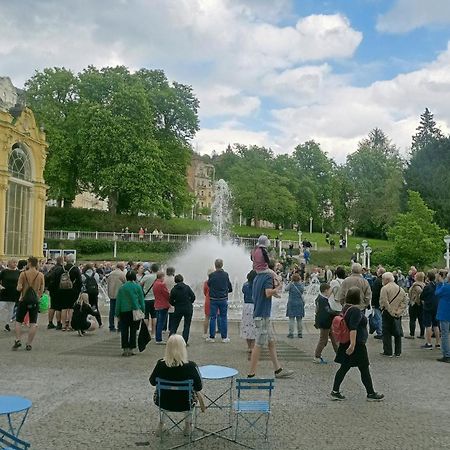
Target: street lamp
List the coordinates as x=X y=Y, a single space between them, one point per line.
x=299 y=238
x=310 y=225
x=447 y=253
x=357 y=252
x=368 y=251
x=364 y=245
x=346 y=237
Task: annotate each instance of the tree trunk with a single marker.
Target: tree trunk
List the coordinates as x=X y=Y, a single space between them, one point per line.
x=113 y=201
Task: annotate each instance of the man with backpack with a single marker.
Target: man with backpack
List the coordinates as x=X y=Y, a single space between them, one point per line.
x=52 y=280
x=90 y=280
x=31 y=287
x=69 y=290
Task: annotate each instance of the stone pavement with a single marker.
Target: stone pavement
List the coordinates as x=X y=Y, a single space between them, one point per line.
x=86 y=396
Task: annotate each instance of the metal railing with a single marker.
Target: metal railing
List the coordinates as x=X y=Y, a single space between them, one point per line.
x=248 y=242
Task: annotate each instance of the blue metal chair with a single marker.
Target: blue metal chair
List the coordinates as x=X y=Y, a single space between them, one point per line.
x=186 y=386
x=10 y=442
x=257 y=407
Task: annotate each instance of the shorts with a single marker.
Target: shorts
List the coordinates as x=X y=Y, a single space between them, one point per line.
x=22 y=311
x=150 y=309
x=264 y=331
x=55 y=301
x=429 y=319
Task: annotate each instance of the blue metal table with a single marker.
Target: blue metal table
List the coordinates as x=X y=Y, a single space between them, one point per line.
x=10 y=405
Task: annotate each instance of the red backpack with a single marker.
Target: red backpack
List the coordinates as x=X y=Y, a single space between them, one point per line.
x=340 y=329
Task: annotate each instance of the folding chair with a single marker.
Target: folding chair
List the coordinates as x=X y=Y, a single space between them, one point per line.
x=10 y=442
x=252 y=411
x=180 y=386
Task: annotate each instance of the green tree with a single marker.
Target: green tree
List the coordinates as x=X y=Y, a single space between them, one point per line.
x=417 y=238
x=375 y=175
x=428 y=174
x=427 y=132
x=52 y=95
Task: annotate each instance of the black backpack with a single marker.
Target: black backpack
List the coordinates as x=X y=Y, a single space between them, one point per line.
x=30 y=298
x=90 y=284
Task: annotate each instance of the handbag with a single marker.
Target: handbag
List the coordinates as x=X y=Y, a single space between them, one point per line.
x=138 y=315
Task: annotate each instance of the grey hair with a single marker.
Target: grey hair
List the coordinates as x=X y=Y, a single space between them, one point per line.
x=357 y=268
x=70 y=258
x=388 y=277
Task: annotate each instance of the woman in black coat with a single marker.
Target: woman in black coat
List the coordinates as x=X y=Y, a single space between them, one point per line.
x=181 y=297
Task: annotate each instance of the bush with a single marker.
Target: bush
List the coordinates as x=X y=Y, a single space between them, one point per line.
x=94 y=246
x=78 y=219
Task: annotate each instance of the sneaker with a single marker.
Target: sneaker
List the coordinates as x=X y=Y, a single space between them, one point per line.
x=378 y=337
x=409 y=337
x=131 y=353
x=422 y=337
x=427 y=346
x=375 y=397
x=300 y=335
x=397 y=355
x=444 y=359
x=7 y=327
x=58 y=326
x=210 y=339
x=112 y=330
x=319 y=361
x=28 y=348
x=336 y=396
x=385 y=354
x=125 y=352
x=226 y=340
x=51 y=326
x=290 y=336
x=437 y=346
x=284 y=373
x=17 y=344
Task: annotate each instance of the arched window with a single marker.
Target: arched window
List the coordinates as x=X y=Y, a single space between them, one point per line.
x=18 y=202
x=19 y=163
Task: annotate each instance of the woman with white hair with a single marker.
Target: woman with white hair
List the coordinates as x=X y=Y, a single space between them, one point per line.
x=175 y=366
x=393 y=303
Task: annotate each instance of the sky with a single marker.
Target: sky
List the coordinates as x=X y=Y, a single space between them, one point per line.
x=274 y=73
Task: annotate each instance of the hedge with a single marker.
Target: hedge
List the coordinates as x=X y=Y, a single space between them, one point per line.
x=79 y=219
x=93 y=246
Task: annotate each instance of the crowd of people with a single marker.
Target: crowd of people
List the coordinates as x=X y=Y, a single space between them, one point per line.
x=143 y=295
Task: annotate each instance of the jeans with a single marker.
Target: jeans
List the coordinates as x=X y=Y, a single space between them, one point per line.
x=112 y=313
x=222 y=307
x=8 y=311
x=128 y=330
x=377 y=321
x=292 y=321
x=445 y=332
x=161 y=320
x=365 y=378
x=416 y=313
x=323 y=341
x=176 y=319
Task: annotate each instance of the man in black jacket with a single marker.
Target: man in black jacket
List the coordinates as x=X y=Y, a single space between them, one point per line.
x=219 y=287
x=52 y=282
x=376 y=311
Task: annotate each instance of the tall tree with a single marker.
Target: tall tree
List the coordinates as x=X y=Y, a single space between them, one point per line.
x=427 y=132
x=375 y=174
x=52 y=95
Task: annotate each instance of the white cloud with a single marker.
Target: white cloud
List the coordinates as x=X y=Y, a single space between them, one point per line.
x=407 y=15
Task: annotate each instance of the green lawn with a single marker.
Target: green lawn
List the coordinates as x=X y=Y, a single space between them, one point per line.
x=126 y=256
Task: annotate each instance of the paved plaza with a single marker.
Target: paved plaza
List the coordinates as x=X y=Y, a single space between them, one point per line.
x=86 y=396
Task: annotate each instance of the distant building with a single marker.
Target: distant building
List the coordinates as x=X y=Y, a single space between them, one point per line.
x=87 y=200
x=200 y=178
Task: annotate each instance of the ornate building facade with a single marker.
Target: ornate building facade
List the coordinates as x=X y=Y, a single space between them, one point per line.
x=23 y=152
x=200 y=178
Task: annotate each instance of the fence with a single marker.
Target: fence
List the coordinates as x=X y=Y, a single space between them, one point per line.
x=150 y=237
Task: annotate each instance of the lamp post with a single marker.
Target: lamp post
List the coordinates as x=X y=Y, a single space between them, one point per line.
x=357 y=252
x=447 y=253
x=115 y=246
x=299 y=238
x=240 y=217
x=310 y=225
x=346 y=237
x=364 y=246
x=368 y=252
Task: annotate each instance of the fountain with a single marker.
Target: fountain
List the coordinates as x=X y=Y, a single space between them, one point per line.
x=195 y=261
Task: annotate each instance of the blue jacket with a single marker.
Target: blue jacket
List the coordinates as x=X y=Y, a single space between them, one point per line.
x=219 y=285
x=442 y=292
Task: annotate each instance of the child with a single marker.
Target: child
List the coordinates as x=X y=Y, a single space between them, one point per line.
x=324 y=318
x=81 y=320
x=295 y=308
x=259 y=255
